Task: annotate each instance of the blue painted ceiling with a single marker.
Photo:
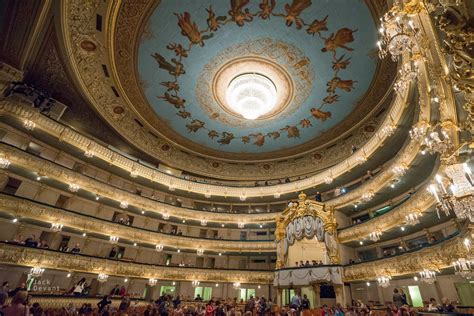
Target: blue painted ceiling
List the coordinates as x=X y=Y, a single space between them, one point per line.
x=339 y=45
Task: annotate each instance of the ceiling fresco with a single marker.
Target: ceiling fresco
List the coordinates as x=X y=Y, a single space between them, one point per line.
x=319 y=56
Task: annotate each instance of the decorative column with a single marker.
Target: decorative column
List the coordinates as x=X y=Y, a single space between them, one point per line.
x=317 y=294
x=380 y=294
x=279 y=299
x=340 y=297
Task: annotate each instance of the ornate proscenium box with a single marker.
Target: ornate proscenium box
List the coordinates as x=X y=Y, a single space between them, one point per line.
x=306 y=231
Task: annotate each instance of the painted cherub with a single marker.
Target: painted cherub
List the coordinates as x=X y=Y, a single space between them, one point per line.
x=170 y=85
x=292 y=131
x=195 y=125
x=342 y=37
x=305 y=123
x=320 y=115
x=212 y=134
x=317 y=26
x=226 y=138
x=274 y=135
x=183 y=113
x=267 y=9
x=294 y=10
x=174 y=100
x=259 y=139
x=340 y=63
x=332 y=98
x=338 y=83
x=245 y=139
x=176 y=70
x=214 y=22
x=240 y=16
x=178 y=49
x=189 y=28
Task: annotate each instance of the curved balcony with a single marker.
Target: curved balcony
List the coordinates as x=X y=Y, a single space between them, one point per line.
x=51 y=259
x=23 y=208
x=72 y=137
x=437 y=256
x=421 y=202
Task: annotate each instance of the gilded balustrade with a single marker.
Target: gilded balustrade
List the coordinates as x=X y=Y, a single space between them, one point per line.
x=48 y=259
x=436 y=257
x=28 y=209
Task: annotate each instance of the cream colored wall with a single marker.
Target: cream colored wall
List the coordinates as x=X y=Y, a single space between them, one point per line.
x=306 y=249
x=443 y=287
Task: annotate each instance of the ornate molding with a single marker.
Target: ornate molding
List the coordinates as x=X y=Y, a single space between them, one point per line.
x=48 y=259
x=24 y=208
x=22 y=111
x=124 y=24
x=419 y=203
x=436 y=257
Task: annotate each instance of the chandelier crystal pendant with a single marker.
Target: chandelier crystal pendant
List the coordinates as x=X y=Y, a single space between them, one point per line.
x=375 y=236
x=203 y=222
x=4 y=163
x=412 y=219
x=102 y=277
x=464 y=268
x=36 y=272
x=367 y=196
x=114 y=240
x=195 y=283
x=407 y=74
x=397 y=34
x=400 y=170
x=152 y=281
x=56 y=227
x=428 y=276
x=384 y=281
x=240 y=224
x=251 y=95
x=436 y=143
x=73 y=187
x=200 y=252
x=29 y=125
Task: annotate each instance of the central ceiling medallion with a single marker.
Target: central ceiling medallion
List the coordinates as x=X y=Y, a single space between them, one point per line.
x=251 y=95
x=252 y=88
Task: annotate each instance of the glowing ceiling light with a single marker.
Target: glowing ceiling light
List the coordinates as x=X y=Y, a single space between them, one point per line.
x=251 y=95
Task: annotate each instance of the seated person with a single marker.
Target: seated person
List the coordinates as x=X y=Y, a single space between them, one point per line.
x=76 y=249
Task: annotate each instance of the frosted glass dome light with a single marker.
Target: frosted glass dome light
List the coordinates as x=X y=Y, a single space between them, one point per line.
x=251 y=95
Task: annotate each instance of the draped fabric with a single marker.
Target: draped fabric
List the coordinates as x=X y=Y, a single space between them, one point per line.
x=308 y=275
x=303 y=227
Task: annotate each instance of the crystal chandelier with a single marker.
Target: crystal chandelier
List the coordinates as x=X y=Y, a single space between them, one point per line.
x=114 y=240
x=166 y=216
x=328 y=180
x=418 y=132
x=73 y=187
x=399 y=170
x=243 y=197
x=56 y=227
x=384 y=281
x=407 y=74
x=123 y=204
x=36 y=272
x=159 y=247
x=276 y=195
x=428 y=276
x=375 y=236
x=436 y=142
x=207 y=195
x=133 y=173
x=29 y=125
x=203 y=222
x=89 y=153
x=447 y=201
x=251 y=95
x=236 y=285
x=152 y=281
x=102 y=277
x=464 y=268
x=388 y=130
x=367 y=196
x=361 y=159
x=4 y=163
x=240 y=224
x=412 y=219
x=397 y=34
x=200 y=251
x=195 y=283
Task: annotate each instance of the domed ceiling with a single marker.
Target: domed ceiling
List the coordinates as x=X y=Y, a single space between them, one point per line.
x=257 y=76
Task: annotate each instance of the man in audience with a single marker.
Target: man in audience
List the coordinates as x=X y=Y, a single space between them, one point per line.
x=76 y=249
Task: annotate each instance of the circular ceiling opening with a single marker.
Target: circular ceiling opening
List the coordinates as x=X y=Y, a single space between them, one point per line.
x=251 y=95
